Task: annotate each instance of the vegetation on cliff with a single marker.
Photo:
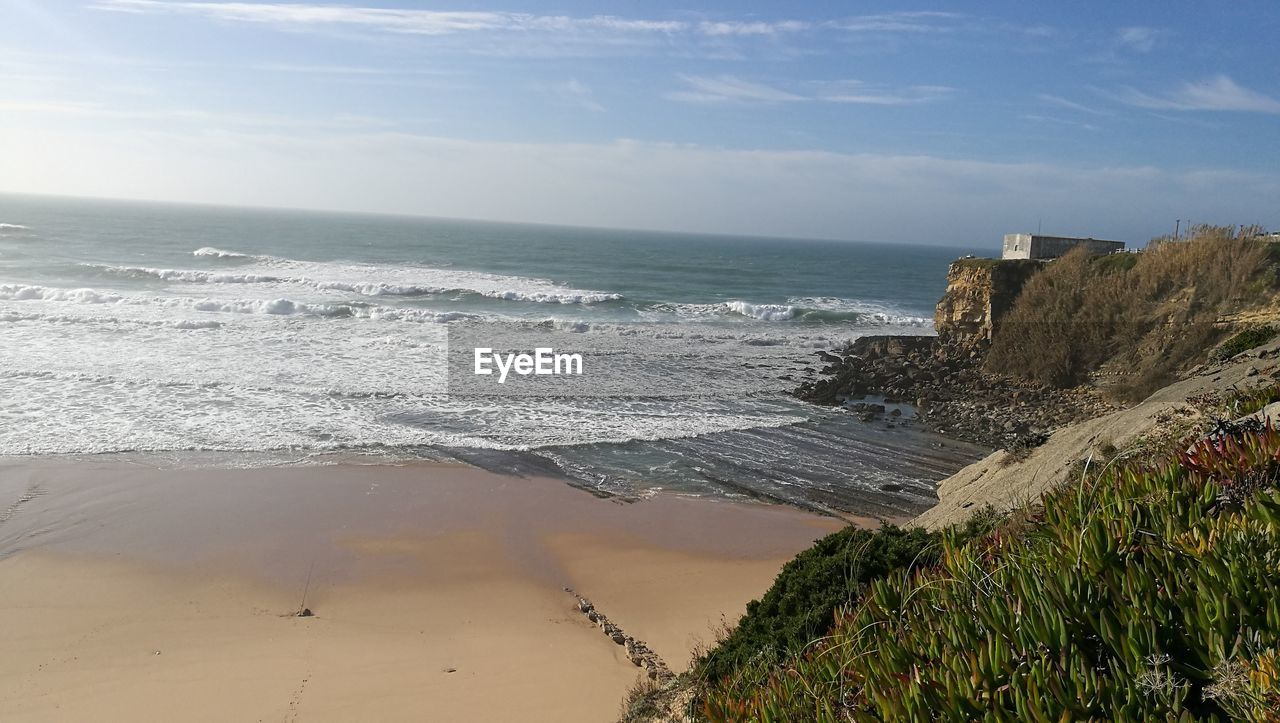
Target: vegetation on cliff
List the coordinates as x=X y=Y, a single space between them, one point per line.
x=1144 y=316
x=1243 y=341
x=801 y=605
x=1149 y=590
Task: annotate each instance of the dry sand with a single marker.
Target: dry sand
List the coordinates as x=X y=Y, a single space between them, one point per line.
x=138 y=594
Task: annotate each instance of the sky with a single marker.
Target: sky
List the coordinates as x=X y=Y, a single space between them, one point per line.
x=933 y=123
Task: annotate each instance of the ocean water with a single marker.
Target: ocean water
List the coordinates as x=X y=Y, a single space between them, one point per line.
x=183 y=333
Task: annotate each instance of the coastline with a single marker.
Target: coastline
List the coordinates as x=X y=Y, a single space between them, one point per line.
x=130 y=591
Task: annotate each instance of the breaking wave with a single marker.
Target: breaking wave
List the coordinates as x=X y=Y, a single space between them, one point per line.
x=24 y=292
x=371 y=279
x=193 y=276
x=274 y=307
x=764 y=312
x=221 y=254
x=823 y=308
x=813 y=310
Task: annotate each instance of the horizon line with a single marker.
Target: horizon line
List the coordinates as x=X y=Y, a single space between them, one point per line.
x=465 y=219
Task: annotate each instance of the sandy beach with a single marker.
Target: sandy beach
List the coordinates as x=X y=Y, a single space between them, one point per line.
x=134 y=593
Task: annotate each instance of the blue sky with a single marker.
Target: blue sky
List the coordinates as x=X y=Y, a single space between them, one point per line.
x=936 y=123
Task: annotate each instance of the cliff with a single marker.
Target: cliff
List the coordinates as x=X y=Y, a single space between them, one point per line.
x=944 y=377
x=1152 y=331
x=979 y=293
x=1025 y=347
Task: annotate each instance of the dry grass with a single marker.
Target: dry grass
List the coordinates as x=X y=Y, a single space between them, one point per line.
x=678 y=699
x=1148 y=317
x=642 y=702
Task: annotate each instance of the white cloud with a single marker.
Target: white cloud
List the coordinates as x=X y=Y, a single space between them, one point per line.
x=1037 y=118
x=743 y=28
x=731 y=89
x=1070 y=104
x=576 y=93
x=1219 y=93
x=884 y=197
x=935 y=22
x=186 y=116
x=1139 y=39
x=340 y=70
x=591 y=28
x=411 y=21
x=852 y=91
x=728 y=88
x=918 y=21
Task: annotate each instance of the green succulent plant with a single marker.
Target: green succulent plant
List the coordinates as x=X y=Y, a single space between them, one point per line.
x=1145 y=592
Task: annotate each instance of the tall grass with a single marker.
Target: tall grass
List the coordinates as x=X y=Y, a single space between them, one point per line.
x=1148 y=315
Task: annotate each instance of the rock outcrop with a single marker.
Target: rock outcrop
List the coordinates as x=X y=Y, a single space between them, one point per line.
x=943 y=376
x=640 y=654
x=979 y=292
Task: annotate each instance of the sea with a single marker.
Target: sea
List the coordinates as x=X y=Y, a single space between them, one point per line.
x=197 y=335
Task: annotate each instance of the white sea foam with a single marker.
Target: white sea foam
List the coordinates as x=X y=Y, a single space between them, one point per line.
x=13 y=317
x=285 y=374
x=25 y=292
x=196 y=324
x=13 y=227
x=700 y=335
x=275 y=307
x=117 y=414
x=374 y=279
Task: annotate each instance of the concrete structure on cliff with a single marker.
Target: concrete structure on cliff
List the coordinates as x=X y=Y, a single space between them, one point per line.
x=1035 y=246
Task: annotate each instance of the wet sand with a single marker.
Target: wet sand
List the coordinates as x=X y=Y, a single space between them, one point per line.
x=134 y=593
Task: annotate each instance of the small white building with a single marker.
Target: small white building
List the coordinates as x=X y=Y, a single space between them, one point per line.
x=1035 y=246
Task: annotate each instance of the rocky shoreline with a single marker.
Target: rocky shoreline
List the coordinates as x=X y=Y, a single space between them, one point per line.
x=943 y=380
x=942 y=377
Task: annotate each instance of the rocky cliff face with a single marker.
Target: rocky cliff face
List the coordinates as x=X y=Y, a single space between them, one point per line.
x=979 y=292
x=943 y=376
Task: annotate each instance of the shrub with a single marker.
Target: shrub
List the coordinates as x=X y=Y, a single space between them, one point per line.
x=801 y=603
x=1114 y=263
x=642 y=702
x=1145 y=592
x=1244 y=341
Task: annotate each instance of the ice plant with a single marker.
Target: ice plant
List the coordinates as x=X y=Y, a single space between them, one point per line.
x=1144 y=592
